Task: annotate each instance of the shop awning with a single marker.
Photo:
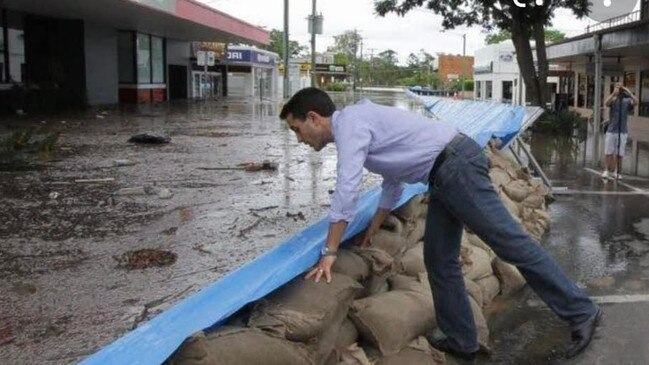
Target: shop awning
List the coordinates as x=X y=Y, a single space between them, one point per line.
x=176 y=19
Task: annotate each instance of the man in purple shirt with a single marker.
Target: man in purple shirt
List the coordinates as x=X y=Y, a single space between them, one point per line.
x=404 y=147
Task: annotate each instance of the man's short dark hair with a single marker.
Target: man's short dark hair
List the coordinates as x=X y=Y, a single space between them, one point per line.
x=310 y=99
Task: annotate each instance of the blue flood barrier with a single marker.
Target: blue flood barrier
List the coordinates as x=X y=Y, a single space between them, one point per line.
x=154 y=341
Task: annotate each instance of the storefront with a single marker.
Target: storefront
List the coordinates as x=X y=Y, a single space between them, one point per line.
x=251 y=72
x=326 y=74
x=79 y=53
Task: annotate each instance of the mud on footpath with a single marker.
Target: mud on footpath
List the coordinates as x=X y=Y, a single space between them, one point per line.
x=99 y=235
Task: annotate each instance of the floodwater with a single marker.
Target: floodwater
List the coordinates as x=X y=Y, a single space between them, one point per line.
x=65 y=294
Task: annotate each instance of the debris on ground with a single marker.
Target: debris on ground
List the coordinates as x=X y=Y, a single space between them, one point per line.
x=248 y=166
x=265 y=165
x=165 y=193
x=296 y=216
x=150 y=138
x=53 y=195
x=145 y=258
x=6 y=333
x=124 y=162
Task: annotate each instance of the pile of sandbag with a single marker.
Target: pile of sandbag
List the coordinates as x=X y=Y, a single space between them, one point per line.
x=379 y=304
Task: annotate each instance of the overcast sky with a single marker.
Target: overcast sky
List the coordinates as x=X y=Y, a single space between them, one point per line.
x=418 y=29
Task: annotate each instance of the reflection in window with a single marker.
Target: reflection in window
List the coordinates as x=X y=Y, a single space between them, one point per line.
x=488 y=91
x=157 y=59
x=508 y=87
x=478 y=90
x=644 y=93
x=126 y=57
x=143 y=59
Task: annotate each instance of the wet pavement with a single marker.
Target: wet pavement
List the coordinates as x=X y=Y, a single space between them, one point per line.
x=66 y=292
x=70 y=215
x=600 y=236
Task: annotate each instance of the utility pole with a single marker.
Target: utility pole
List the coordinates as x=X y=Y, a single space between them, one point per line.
x=287 y=92
x=360 y=64
x=313 y=26
x=463 y=61
x=371 y=76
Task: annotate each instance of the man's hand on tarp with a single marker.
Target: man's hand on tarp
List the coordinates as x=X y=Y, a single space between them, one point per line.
x=322 y=268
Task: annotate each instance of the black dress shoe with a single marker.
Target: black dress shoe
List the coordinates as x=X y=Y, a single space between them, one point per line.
x=443 y=345
x=582 y=337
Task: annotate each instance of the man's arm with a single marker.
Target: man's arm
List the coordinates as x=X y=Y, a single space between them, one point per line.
x=610 y=99
x=377 y=220
x=633 y=97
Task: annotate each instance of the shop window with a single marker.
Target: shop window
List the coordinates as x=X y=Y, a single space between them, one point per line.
x=126 y=58
x=12 y=49
x=157 y=59
x=644 y=94
x=143 y=58
x=508 y=87
x=488 y=91
x=629 y=81
x=478 y=90
x=581 y=92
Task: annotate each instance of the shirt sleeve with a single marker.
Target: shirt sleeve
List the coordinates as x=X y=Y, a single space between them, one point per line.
x=352 y=143
x=390 y=193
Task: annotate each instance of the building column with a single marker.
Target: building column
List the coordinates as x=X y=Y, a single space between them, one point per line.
x=575 y=99
x=597 y=93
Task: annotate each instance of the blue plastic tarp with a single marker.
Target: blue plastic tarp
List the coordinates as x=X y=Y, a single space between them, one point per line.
x=154 y=341
x=481 y=120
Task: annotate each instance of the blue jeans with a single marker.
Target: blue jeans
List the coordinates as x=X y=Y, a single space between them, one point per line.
x=461 y=194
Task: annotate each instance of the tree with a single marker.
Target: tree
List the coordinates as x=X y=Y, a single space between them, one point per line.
x=347 y=43
x=551 y=35
x=277 y=45
x=524 y=23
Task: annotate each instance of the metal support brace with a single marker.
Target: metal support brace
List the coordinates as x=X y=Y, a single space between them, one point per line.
x=532 y=160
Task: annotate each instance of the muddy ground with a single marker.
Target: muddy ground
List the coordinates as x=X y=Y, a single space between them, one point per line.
x=70 y=214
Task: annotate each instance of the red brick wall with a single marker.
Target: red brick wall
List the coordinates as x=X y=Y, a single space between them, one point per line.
x=459 y=65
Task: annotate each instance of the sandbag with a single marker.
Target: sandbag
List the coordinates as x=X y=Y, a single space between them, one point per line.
x=499 y=177
x=476 y=263
x=391 y=320
x=392 y=224
x=534 y=201
x=511 y=280
x=412 y=262
x=473 y=290
x=347 y=335
x=353 y=355
x=391 y=242
x=351 y=264
x=517 y=190
x=380 y=261
x=473 y=240
x=418 y=352
x=415 y=208
x=376 y=284
x=241 y=346
x=490 y=288
x=416 y=232
x=303 y=309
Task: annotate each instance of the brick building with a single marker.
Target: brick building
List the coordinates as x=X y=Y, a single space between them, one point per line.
x=451 y=68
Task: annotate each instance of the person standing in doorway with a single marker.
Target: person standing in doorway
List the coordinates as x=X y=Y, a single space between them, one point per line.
x=620 y=103
x=405 y=147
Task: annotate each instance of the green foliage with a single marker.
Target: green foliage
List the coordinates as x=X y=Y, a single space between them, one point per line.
x=337 y=86
x=347 y=43
x=551 y=35
x=277 y=45
x=341 y=59
x=468 y=85
x=562 y=122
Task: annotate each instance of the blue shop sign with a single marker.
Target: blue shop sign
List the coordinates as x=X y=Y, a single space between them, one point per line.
x=249 y=56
